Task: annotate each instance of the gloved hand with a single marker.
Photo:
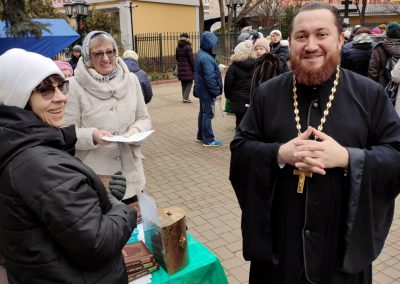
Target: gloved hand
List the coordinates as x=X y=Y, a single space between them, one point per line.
x=114 y=201
x=117 y=185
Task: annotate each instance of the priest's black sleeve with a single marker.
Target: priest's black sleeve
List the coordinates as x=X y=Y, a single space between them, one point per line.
x=253 y=163
x=374 y=184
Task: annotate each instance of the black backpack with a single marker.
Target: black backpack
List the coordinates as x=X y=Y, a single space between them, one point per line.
x=389 y=67
x=391 y=90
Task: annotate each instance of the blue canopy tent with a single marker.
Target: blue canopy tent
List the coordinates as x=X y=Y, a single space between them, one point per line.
x=61 y=36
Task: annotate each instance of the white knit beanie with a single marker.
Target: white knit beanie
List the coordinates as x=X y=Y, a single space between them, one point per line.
x=20 y=72
x=130 y=54
x=245 y=46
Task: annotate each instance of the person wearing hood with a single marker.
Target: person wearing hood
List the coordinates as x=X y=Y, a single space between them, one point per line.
x=185 y=64
x=106 y=99
x=76 y=54
x=131 y=59
x=208 y=87
x=355 y=55
x=238 y=79
x=58 y=223
x=381 y=54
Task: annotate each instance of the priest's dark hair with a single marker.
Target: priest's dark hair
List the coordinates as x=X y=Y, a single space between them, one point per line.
x=317 y=6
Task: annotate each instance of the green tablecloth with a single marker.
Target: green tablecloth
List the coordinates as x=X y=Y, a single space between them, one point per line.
x=204 y=267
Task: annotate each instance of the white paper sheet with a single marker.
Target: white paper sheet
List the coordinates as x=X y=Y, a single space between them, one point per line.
x=142 y=280
x=138 y=137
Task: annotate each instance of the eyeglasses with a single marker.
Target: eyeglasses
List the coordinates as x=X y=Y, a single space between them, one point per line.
x=100 y=54
x=47 y=88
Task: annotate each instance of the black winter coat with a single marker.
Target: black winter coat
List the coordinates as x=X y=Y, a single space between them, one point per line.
x=56 y=223
x=185 y=60
x=134 y=67
x=283 y=52
x=237 y=83
x=355 y=57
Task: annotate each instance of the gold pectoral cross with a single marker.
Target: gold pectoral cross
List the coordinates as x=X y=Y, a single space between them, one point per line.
x=302 y=178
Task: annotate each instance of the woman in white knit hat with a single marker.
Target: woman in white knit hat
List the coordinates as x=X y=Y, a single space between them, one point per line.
x=58 y=224
x=106 y=99
x=279 y=46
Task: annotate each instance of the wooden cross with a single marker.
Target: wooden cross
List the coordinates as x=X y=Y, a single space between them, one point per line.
x=302 y=178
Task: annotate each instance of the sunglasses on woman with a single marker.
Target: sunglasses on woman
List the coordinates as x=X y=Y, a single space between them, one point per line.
x=47 y=88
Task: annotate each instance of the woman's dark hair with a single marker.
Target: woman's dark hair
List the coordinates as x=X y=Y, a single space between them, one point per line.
x=317 y=6
x=268 y=66
x=361 y=30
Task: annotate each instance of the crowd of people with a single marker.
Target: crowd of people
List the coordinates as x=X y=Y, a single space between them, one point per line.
x=314 y=157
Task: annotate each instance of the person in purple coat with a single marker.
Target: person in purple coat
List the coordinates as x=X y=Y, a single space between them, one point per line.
x=185 y=65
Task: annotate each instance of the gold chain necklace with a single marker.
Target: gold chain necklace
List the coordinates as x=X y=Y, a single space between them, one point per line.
x=328 y=104
x=303 y=174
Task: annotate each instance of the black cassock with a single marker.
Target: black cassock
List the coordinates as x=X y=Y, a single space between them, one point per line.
x=334 y=230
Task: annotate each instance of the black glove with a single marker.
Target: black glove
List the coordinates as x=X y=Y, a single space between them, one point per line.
x=114 y=201
x=117 y=185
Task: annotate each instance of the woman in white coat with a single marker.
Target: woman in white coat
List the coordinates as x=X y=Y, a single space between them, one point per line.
x=106 y=99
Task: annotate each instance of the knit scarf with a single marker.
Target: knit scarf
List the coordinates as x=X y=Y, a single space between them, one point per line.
x=103 y=86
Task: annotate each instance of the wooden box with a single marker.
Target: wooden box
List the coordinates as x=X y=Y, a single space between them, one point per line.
x=169 y=242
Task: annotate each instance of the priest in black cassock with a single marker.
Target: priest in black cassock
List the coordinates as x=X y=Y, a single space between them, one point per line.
x=316 y=164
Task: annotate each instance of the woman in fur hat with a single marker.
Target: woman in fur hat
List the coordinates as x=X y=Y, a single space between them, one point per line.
x=238 y=79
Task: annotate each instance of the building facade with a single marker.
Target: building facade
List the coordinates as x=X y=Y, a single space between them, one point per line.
x=148 y=16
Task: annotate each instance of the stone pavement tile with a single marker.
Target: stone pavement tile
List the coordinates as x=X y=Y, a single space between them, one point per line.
x=229 y=237
x=232 y=263
x=217 y=243
x=391 y=272
x=235 y=247
x=381 y=278
x=240 y=273
x=223 y=253
x=233 y=280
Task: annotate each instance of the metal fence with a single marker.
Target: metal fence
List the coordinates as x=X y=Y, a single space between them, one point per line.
x=157 y=50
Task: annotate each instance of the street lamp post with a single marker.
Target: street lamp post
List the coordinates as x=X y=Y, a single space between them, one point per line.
x=131 y=6
x=79 y=10
x=232 y=4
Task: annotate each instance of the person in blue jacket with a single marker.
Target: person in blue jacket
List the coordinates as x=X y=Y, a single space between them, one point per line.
x=208 y=87
x=131 y=59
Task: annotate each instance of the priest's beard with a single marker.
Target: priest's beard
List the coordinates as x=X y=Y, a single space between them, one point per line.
x=314 y=76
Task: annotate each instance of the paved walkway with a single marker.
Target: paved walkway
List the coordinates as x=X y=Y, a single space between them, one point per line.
x=181 y=172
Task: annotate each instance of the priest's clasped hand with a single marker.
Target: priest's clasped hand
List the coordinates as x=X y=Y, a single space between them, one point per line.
x=316 y=156
x=311 y=155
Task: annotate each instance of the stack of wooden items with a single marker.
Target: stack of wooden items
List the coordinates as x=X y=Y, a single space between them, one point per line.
x=139 y=260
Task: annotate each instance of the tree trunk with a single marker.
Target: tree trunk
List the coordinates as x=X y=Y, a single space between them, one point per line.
x=222 y=13
x=201 y=16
